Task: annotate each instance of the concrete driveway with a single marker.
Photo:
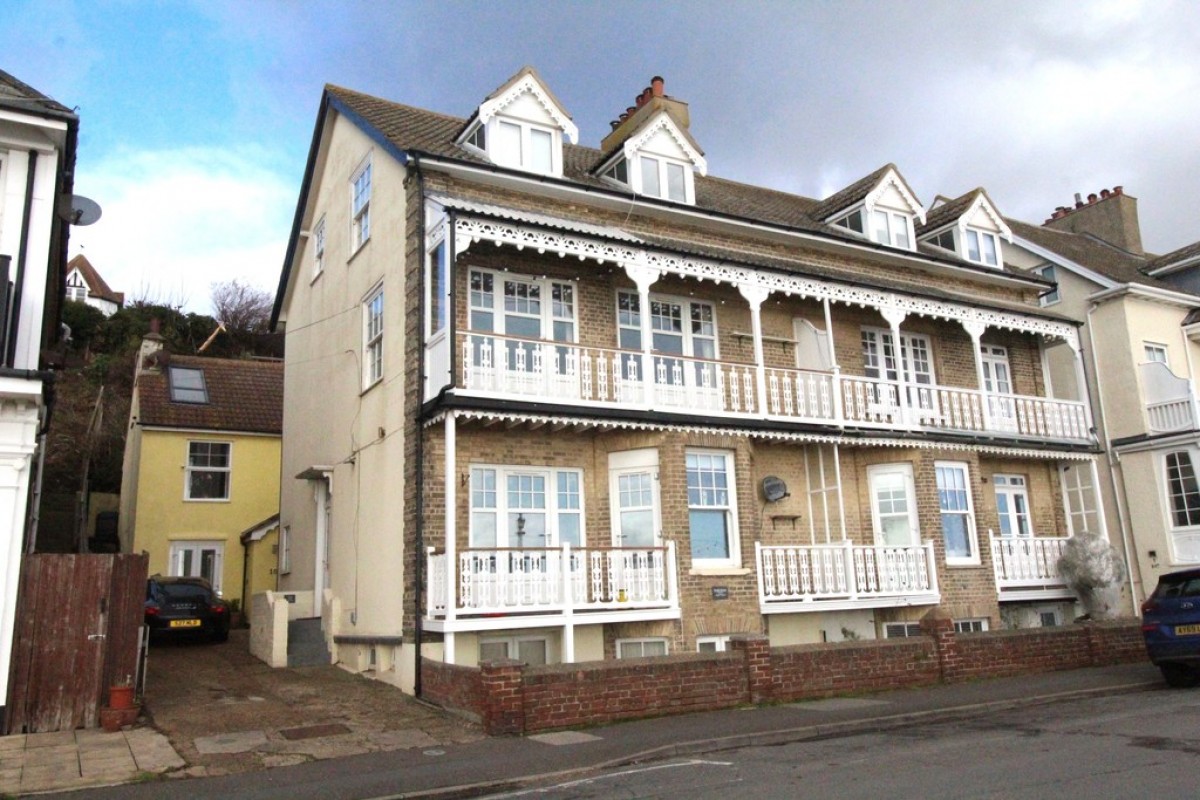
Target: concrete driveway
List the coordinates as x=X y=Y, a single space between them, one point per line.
x=225 y=711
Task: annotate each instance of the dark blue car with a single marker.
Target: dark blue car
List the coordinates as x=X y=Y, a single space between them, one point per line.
x=1171 y=627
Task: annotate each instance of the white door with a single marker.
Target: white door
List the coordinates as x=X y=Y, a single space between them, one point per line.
x=198 y=560
x=893 y=506
x=997 y=384
x=633 y=488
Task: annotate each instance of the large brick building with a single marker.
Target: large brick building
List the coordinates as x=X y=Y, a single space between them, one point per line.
x=561 y=403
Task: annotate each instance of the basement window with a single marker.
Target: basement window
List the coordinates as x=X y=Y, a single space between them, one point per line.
x=901 y=630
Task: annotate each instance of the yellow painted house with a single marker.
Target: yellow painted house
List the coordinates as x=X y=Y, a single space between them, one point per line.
x=201 y=472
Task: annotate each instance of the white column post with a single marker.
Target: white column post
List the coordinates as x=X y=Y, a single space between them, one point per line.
x=755 y=295
x=450 y=485
x=836 y=384
x=894 y=317
x=644 y=278
x=975 y=329
x=568 y=633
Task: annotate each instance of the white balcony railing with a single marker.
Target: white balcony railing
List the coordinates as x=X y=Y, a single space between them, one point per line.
x=1026 y=567
x=514 y=581
x=844 y=575
x=512 y=367
x=1170 y=400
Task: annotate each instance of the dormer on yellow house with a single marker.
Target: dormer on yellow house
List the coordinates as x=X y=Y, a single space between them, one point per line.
x=201 y=463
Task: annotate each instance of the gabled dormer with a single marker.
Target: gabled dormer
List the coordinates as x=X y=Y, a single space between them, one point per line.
x=650 y=151
x=880 y=207
x=968 y=226
x=520 y=125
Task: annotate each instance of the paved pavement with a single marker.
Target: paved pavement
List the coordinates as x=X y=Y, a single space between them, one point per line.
x=433 y=755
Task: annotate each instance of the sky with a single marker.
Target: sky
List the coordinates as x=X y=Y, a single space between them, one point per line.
x=196 y=117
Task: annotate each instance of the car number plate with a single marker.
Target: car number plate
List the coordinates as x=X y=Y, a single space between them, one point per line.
x=195 y=623
x=1187 y=630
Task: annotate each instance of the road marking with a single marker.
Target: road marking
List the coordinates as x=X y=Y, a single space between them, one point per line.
x=635 y=771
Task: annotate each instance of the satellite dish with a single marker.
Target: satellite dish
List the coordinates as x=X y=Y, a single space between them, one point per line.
x=78 y=210
x=774 y=489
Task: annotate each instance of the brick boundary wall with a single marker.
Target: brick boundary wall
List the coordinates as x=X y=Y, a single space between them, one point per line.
x=511 y=698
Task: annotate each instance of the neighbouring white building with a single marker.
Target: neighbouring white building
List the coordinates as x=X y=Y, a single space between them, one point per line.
x=37 y=159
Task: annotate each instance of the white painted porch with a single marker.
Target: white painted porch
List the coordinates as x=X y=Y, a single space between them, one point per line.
x=495 y=588
x=514 y=368
x=831 y=577
x=1027 y=567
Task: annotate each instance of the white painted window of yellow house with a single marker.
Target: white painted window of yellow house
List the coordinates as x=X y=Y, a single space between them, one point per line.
x=198 y=559
x=531 y=650
x=642 y=648
x=526 y=507
x=372 y=365
x=360 y=205
x=206 y=476
x=712 y=509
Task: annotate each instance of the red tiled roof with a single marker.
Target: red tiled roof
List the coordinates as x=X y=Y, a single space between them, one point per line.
x=244 y=396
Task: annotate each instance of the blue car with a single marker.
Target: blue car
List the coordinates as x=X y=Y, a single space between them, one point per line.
x=1171 y=627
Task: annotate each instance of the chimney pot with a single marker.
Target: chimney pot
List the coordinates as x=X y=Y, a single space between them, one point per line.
x=1118 y=190
x=640 y=100
x=155 y=325
x=630 y=110
x=656 y=84
x=1091 y=198
x=1104 y=194
x=614 y=124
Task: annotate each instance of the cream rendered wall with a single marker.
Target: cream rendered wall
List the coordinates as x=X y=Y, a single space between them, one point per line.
x=163 y=516
x=328 y=419
x=815 y=628
x=1148 y=508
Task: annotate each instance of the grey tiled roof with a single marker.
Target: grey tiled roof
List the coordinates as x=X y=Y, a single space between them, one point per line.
x=1174 y=257
x=22 y=97
x=1088 y=251
x=948 y=212
x=851 y=194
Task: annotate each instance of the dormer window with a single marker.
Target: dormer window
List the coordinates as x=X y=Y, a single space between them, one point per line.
x=853 y=222
x=663 y=178
x=982 y=247
x=945 y=240
x=891 y=228
x=520 y=126
x=618 y=172
x=523 y=146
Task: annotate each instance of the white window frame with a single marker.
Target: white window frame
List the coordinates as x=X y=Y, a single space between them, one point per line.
x=1052 y=296
x=978 y=237
x=512 y=646
x=190 y=469
x=662 y=170
x=499 y=311
x=641 y=643
x=1185 y=538
x=372 y=337
x=1156 y=353
x=1013 y=486
x=875 y=345
x=285 y=550
x=899 y=226
x=971 y=625
x=901 y=630
x=523 y=159
x=437 y=298
x=197 y=546
x=318 y=244
x=500 y=511
x=728 y=509
x=1046 y=611
x=942 y=468
x=360 y=205
x=905 y=470
x=720 y=643
x=1081 y=497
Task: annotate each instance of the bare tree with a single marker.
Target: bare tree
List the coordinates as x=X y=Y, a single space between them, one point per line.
x=242 y=309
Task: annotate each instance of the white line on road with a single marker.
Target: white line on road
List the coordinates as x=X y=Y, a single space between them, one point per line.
x=544 y=789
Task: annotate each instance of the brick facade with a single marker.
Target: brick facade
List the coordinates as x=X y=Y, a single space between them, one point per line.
x=516 y=699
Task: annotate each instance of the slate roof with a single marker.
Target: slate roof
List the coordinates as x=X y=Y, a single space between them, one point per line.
x=1188 y=251
x=1089 y=251
x=948 y=212
x=21 y=96
x=244 y=396
x=851 y=194
x=97 y=287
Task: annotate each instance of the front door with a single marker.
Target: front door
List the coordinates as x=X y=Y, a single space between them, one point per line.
x=198 y=560
x=893 y=510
